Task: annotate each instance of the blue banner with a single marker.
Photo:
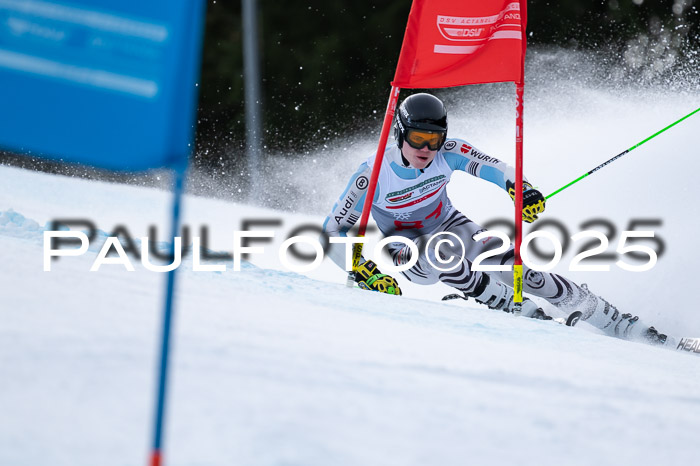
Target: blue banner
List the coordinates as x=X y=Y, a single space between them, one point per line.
x=107 y=83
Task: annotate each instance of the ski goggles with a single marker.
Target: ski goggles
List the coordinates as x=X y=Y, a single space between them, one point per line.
x=418 y=139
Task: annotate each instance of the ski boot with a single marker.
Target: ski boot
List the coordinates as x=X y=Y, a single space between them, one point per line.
x=653 y=337
x=497 y=295
x=539 y=313
x=607 y=317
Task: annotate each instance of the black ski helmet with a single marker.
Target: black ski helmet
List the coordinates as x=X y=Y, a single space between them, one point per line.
x=420 y=111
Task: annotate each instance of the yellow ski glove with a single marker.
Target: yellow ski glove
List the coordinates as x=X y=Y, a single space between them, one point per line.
x=368 y=277
x=533 y=201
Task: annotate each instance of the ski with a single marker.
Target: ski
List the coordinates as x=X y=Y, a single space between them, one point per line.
x=684 y=344
x=570 y=321
x=452 y=296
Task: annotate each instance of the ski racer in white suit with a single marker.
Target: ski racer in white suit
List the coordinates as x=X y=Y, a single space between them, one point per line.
x=411 y=201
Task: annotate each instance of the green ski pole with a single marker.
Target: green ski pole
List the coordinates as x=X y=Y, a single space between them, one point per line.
x=621 y=154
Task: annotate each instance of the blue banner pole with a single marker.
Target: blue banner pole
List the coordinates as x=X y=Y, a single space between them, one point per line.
x=156 y=454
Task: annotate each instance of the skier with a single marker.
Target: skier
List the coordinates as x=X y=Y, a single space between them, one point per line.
x=411 y=201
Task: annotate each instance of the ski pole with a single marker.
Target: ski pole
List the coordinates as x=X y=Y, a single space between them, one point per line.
x=621 y=154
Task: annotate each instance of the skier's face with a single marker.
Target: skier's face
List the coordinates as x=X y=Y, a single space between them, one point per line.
x=418 y=158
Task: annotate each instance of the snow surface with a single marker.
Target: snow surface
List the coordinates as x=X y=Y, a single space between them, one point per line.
x=272 y=367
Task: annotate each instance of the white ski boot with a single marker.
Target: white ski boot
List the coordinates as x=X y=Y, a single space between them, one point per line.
x=608 y=318
x=497 y=295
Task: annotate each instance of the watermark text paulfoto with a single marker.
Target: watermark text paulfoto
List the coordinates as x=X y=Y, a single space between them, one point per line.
x=444 y=250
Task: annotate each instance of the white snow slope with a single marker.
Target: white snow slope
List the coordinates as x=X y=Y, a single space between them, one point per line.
x=276 y=368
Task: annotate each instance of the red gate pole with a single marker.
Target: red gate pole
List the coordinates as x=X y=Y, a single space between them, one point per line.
x=369 y=198
x=518 y=264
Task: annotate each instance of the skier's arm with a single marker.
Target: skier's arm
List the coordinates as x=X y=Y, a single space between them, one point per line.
x=460 y=155
x=346 y=212
x=343 y=216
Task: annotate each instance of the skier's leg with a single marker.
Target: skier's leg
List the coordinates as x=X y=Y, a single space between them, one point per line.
x=483 y=287
x=556 y=289
x=569 y=296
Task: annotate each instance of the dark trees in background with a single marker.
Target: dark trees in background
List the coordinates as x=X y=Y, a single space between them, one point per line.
x=326 y=65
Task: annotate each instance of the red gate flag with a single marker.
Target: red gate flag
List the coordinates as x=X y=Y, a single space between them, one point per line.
x=458 y=42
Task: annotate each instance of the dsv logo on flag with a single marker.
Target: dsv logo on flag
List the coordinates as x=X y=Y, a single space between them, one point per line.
x=475 y=31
